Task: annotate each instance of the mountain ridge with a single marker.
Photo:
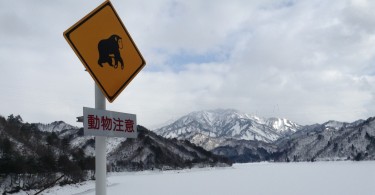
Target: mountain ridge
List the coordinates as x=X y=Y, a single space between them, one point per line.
x=228 y=123
x=55 y=126
x=331 y=140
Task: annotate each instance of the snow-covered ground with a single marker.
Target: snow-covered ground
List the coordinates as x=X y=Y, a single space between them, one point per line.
x=318 y=178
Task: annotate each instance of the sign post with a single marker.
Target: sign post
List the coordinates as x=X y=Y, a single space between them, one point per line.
x=100 y=148
x=109 y=54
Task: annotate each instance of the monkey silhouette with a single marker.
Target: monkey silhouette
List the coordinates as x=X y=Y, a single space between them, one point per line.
x=110 y=48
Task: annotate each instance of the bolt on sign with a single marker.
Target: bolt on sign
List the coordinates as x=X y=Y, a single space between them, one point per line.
x=106 y=49
x=98 y=122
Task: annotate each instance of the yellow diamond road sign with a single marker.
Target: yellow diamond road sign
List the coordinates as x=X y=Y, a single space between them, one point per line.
x=106 y=49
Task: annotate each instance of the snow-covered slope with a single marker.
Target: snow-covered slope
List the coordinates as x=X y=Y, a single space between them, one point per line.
x=150 y=151
x=87 y=143
x=319 y=178
x=329 y=141
x=282 y=125
x=56 y=126
x=227 y=123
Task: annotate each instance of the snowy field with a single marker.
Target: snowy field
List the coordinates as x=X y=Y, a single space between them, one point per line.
x=318 y=178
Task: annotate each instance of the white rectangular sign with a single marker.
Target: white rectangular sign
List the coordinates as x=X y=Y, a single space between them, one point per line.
x=98 y=122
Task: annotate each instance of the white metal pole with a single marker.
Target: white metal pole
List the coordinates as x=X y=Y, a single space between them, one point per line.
x=100 y=148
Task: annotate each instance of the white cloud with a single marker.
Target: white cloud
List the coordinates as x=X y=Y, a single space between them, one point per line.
x=309 y=61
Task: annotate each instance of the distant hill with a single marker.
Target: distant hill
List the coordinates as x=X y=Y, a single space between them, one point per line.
x=332 y=140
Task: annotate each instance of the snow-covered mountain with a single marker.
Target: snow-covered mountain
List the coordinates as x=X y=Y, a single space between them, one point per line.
x=226 y=123
x=56 y=126
x=329 y=141
x=332 y=140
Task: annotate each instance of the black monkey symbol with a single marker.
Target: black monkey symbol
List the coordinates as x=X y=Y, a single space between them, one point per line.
x=108 y=49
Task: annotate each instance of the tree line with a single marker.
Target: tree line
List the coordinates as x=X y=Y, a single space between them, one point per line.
x=32 y=159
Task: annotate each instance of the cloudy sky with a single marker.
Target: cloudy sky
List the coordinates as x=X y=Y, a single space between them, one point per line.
x=309 y=60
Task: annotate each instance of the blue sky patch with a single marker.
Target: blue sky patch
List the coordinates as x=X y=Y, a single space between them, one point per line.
x=179 y=61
